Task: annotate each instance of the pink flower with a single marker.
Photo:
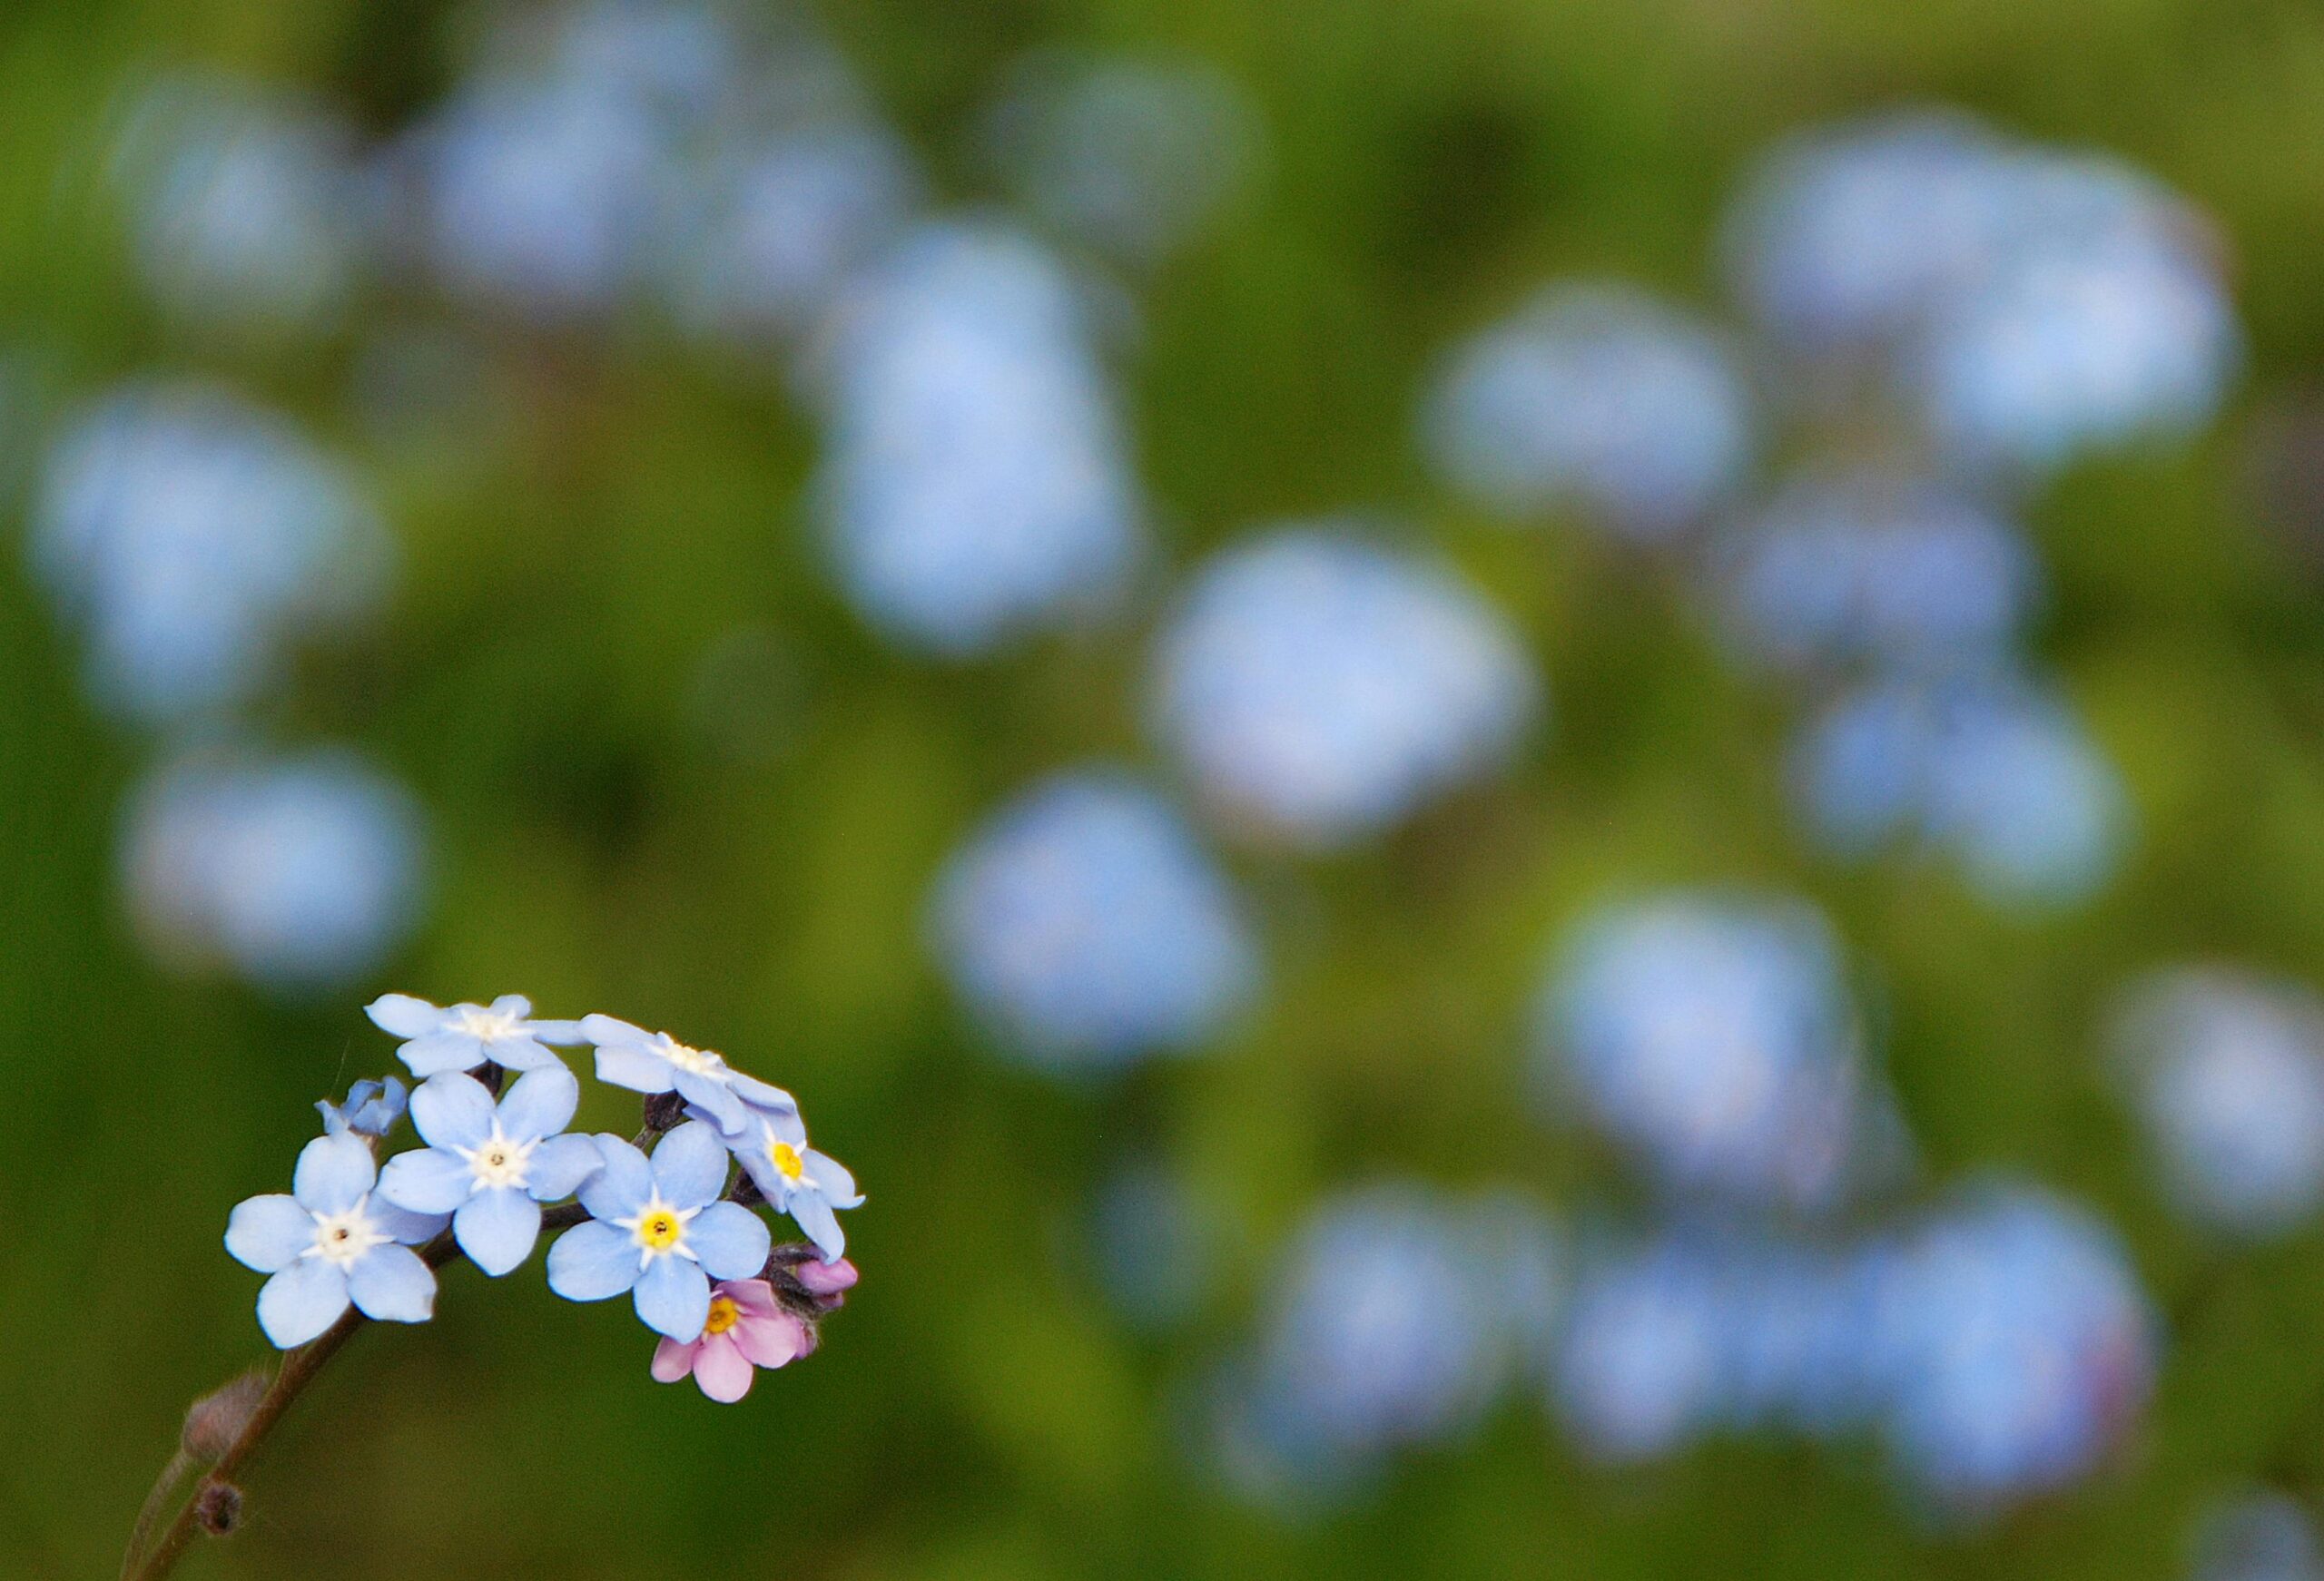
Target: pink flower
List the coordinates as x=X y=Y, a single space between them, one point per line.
x=827 y=1281
x=746 y=1328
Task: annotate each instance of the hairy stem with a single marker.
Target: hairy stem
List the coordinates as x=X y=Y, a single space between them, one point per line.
x=298 y=1369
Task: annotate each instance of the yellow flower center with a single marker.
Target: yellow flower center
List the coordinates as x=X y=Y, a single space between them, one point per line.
x=724 y=1315
x=787 y=1161
x=659 y=1230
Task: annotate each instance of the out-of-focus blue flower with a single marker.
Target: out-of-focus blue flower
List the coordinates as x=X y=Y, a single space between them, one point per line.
x=1713 y=1038
x=1317 y=686
x=1988 y=769
x=794 y=1178
x=466 y=1035
x=2227 y=1071
x=244 y=204
x=2022 y=1344
x=774 y=226
x=654 y=1061
x=1089 y=926
x=1871 y=569
x=2260 y=1536
x=977 y=484
x=1131 y=156
x=1597 y=397
x=372 y=1108
x=2105 y=320
x=332 y=1242
x=492 y=1166
x=657 y=1229
x=1643 y=1365
x=1847 y=237
x=299 y=872
x=190 y=533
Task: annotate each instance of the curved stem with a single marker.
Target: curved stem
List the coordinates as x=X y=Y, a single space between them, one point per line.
x=298 y=1369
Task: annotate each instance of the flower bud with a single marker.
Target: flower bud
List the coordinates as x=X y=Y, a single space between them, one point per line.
x=219 y=1508
x=214 y=1421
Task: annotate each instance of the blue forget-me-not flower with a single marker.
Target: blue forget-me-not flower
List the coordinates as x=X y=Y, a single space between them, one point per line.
x=332 y=1241
x=657 y=1229
x=796 y=1179
x=372 y=1108
x=654 y=1061
x=492 y=1166
x=466 y=1035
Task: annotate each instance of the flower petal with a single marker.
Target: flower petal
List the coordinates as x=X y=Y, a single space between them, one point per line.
x=301 y=1301
x=607 y=1031
x=563 y=1034
x=391 y=1284
x=452 y=1110
x=497 y=1228
x=731 y=1241
x=812 y=1213
x=712 y=1098
x=333 y=1173
x=440 y=1052
x=540 y=1104
x=753 y=1295
x=592 y=1261
x=426 y=1179
x=722 y=1369
x=777 y=1125
x=673 y=1298
x=620 y=1065
x=560 y=1164
x=403 y=1016
x=761 y=1095
x=771 y=1341
x=621 y=1187
x=516 y=1007
x=832 y=1178
x=690 y=1165
x=403 y=1226
x=268 y=1232
x=826 y=1278
x=522 y=1054
x=672 y=1361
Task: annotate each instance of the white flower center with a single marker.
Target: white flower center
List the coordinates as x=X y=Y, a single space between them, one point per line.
x=702 y=1062
x=344 y=1238
x=498 y=1161
x=489 y=1025
x=659 y=1230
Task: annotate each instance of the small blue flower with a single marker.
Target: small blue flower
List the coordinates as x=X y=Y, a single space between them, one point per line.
x=372 y=1109
x=491 y=1167
x=658 y=1230
x=654 y=1061
x=795 y=1178
x=466 y=1036
x=332 y=1242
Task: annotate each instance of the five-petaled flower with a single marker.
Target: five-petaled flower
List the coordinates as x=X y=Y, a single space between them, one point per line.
x=491 y=1167
x=657 y=1229
x=797 y=1179
x=746 y=1328
x=330 y=1242
x=654 y=1061
x=463 y=1036
x=372 y=1109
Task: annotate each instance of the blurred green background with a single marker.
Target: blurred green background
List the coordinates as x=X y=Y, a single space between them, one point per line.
x=738 y=851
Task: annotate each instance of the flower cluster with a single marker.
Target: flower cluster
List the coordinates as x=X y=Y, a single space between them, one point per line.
x=660 y=1227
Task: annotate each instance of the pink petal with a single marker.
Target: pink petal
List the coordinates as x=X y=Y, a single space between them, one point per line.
x=771 y=1341
x=753 y=1295
x=721 y=1368
x=672 y=1361
x=826 y=1278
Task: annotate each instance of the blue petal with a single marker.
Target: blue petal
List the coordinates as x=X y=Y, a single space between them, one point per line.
x=522 y=1054
x=333 y=1173
x=443 y=1051
x=426 y=1179
x=731 y=1241
x=591 y=1262
x=540 y=1104
x=620 y=1065
x=623 y=1185
x=761 y=1095
x=269 y=1233
x=690 y=1165
x=606 y=1032
x=560 y=1164
x=831 y=1177
x=779 y=1126
x=516 y=1007
x=452 y=1110
x=770 y=1180
x=404 y=1226
x=301 y=1301
x=497 y=1228
x=713 y=1099
x=392 y=1284
x=673 y=1299
x=563 y=1034
x=814 y=1216
x=404 y=1016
